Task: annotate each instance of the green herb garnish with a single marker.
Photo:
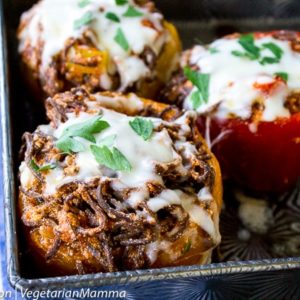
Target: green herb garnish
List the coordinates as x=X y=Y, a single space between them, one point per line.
x=196 y=100
x=68 y=145
x=142 y=127
x=112 y=159
x=213 y=50
x=85 y=130
x=269 y=60
x=86 y=19
x=242 y=54
x=121 y=2
x=107 y=141
x=201 y=81
x=132 y=12
x=187 y=247
x=120 y=38
x=276 y=50
x=283 y=75
x=35 y=167
x=247 y=42
x=83 y=3
x=251 y=51
x=113 y=17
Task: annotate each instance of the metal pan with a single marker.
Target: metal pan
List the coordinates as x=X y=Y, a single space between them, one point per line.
x=205 y=20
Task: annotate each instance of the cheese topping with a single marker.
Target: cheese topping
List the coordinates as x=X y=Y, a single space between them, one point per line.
x=236 y=83
x=197 y=214
x=143 y=156
x=53 y=23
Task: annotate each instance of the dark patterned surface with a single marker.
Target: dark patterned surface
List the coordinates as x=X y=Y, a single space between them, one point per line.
x=260 y=228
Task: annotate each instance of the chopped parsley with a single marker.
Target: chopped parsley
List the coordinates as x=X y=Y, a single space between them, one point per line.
x=112 y=159
x=213 y=50
x=187 y=247
x=121 y=2
x=132 y=12
x=85 y=130
x=253 y=52
x=113 y=17
x=68 y=145
x=142 y=127
x=37 y=168
x=201 y=81
x=107 y=141
x=83 y=3
x=121 y=40
x=283 y=75
x=196 y=99
x=86 y=19
x=276 y=51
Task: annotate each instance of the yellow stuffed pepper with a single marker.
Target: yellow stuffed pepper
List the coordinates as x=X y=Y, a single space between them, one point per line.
x=115 y=183
x=116 y=45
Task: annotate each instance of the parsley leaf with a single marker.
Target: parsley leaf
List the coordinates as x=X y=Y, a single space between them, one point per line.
x=83 y=3
x=252 y=52
x=121 y=39
x=107 y=141
x=241 y=54
x=196 y=100
x=121 y=2
x=247 y=42
x=276 y=50
x=86 y=19
x=283 y=75
x=213 y=50
x=43 y=168
x=187 y=247
x=201 y=81
x=142 y=127
x=86 y=129
x=132 y=12
x=113 y=17
x=68 y=145
x=112 y=159
x=34 y=166
x=269 y=60
x=47 y=167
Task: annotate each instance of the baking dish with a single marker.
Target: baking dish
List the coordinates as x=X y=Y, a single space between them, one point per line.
x=232 y=279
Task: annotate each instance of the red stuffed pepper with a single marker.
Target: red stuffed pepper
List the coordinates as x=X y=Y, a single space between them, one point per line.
x=246 y=89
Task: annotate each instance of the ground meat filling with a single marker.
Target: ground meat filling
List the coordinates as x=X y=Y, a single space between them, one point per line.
x=97 y=216
x=292 y=103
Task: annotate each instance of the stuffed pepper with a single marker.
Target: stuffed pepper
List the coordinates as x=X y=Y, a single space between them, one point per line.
x=116 y=182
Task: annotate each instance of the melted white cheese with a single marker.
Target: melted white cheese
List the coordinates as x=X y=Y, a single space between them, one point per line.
x=53 y=23
x=233 y=80
x=142 y=155
x=190 y=204
x=26 y=176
